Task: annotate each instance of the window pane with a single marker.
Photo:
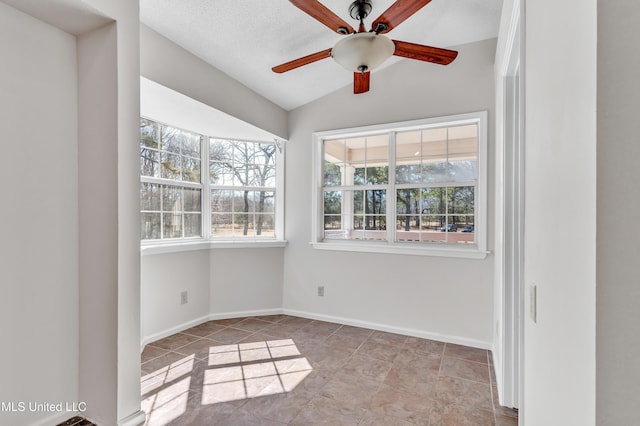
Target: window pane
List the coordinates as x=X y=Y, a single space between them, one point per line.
x=332 y=174
x=190 y=144
x=190 y=169
x=333 y=162
x=170 y=140
x=192 y=225
x=377 y=148
x=377 y=175
x=434 y=142
x=244 y=224
x=434 y=170
x=332 y=222
x=357 y=174
x=408 y=144
x=355 y=149
x=358 y=202
x=192 y=200
x=408 y=172
x=149 y=145
x=149 y=226
x=220 y=150
x=220 y=174
x=171 y=199
x=222 y=225
x=434 y=201
x=463 y=170
x=408 y=228
x=242 y=202
x=265 y=165
x=264 y=201
x=408 y=201
x=461 y=200
x=376 y=201
x=149 y=162
x=170 y=166
x=148 y=134
x=149 y=196
x=172 y=225
x=333 y=202
x=265 y=224
x=221 y=201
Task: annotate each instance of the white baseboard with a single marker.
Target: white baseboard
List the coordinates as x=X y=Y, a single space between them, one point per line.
x=329 y=318
x=211 y=317
x=392 y=329
x=136 y=419
x=173 y=330
x=240 y=314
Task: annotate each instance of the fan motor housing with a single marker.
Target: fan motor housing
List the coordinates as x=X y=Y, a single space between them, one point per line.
x=360 y=9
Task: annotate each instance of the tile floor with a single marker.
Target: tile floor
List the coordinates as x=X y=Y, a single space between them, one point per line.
x=284 y=370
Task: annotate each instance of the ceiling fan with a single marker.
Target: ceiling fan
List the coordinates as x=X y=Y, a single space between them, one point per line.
x=362 y=51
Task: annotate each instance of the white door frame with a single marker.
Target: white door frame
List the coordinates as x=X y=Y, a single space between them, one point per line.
x=512 y=321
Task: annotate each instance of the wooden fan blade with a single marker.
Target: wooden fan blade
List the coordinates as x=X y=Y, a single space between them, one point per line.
x=397 y=13
x=361 y=82
x=305 y=60
x=321 y=13
x=424 y=53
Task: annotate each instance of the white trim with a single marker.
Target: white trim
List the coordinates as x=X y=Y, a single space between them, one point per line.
x=177 y=247
x=458 y=340
x=135 y=419
x=509 y=361
x=210 y=317
x=402 y=248
x=173 y=330
x=241 y=314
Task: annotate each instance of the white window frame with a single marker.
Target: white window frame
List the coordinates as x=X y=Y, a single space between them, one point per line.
x=207 y=241
x=471 y=251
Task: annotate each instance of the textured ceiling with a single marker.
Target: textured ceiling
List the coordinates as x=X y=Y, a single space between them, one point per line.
x=246 y=38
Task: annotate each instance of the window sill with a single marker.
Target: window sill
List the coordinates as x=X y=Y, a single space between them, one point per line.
x=404 y=249
x=176 y=247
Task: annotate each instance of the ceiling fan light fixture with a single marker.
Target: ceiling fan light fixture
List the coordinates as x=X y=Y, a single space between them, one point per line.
x=361 y=52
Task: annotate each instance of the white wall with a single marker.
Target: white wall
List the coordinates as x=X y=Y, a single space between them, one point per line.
x=618 y=266
x=98 y=155
x=106 y=254
x=244 y=280
x=39 y=214
x=164 y=277
x=170 y=65
x=560 y=215
x=443 y=297
x=221 y=283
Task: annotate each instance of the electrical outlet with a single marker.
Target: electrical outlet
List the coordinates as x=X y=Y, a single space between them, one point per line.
x=184 y=298
x=320 y=290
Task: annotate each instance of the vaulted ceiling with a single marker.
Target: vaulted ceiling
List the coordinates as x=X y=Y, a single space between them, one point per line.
x=246 y=38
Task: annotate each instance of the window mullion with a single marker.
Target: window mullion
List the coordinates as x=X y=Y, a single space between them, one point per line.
x=391 y=191
x=205 y=200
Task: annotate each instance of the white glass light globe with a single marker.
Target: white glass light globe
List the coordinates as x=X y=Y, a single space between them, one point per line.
x=362 y=52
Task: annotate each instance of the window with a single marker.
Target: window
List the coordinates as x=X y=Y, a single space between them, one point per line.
x=236 y=200
x=171 y=192
x=243 y=188
x=416 y=187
